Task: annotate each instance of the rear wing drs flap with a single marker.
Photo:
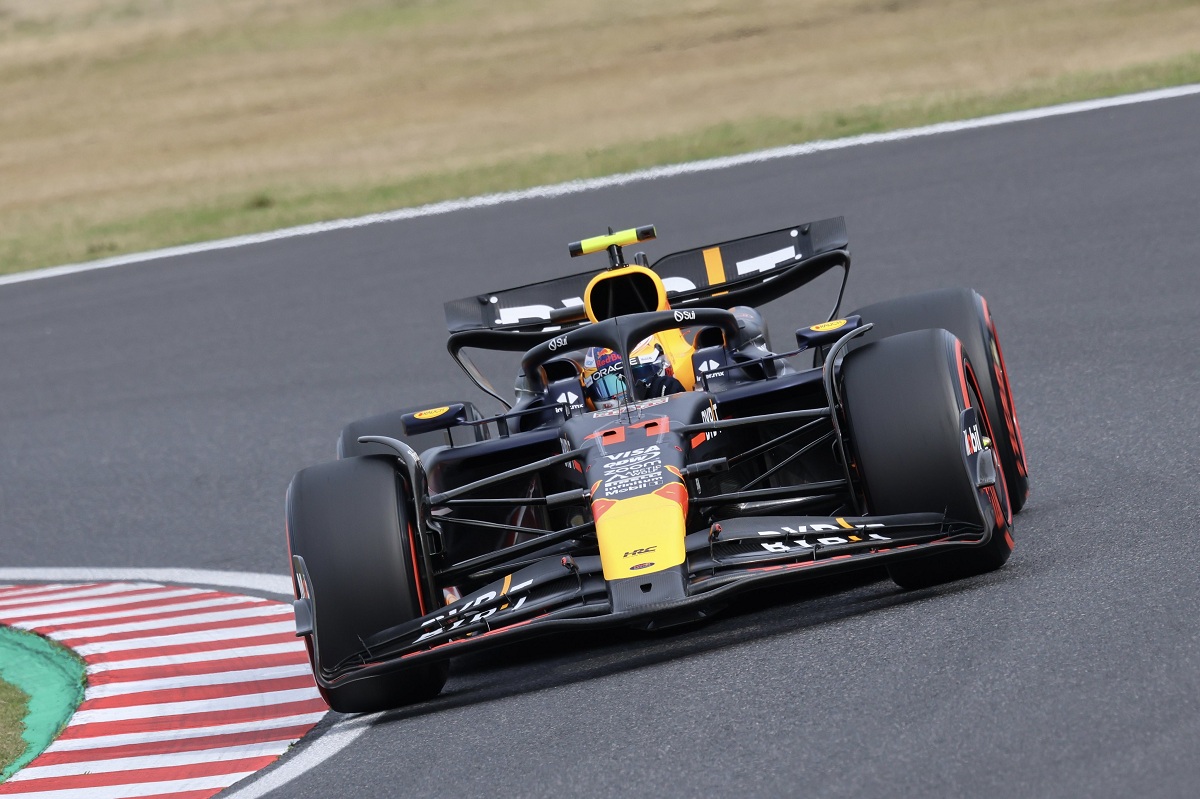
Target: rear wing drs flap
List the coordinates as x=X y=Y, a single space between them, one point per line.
x=745 y=271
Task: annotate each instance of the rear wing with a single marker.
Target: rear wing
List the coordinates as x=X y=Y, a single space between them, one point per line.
x=745 y=271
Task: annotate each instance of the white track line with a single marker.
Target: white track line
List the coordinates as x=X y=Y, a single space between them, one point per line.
x=578 y=186
x=267 y=583
x=334 y=740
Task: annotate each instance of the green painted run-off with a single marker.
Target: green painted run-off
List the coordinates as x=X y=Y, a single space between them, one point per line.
x=52 y=676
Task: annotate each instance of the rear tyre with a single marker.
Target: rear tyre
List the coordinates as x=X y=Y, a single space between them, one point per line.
x=904 y=397
x=349 y=521
x=965 y=314
x=391 y=424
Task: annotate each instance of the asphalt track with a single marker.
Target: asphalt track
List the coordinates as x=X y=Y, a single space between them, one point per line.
x=151 y=416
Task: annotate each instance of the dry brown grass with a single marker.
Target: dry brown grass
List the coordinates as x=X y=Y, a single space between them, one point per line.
x=127 y=124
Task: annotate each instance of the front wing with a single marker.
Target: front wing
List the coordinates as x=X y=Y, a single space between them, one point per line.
x=562 y=592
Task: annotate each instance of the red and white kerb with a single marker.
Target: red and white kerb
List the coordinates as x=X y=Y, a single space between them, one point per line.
x=188 y=690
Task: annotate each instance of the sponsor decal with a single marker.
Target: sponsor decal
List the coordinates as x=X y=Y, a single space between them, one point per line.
x=765 y=262
x=568 y=398
x=597 y=358
x=558 y=342
x=566 y=447
x=633 y=470
x=432 y=413
x=685 y=316
x=641 y=566
x=802 y=532
x=674 y=285
x=802 y=529
x=708 y=366
x=633 y=406
x=825 y=327
x=640 y=551
x=604 y=371
x=466 y=613
x=709 y=414
x=972 y=440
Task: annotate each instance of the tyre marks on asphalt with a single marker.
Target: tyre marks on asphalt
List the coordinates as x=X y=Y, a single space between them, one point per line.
x=189 y=690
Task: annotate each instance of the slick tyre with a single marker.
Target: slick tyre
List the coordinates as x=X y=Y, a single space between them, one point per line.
x=391 y=424
x=904 y=399
x=965 y=314
x=349 y=521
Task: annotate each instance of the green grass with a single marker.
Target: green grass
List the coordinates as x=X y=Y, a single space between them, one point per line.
x=13 y=702
x=276 y=206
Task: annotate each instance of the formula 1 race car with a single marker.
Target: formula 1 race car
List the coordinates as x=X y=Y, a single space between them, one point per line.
x=659 y=456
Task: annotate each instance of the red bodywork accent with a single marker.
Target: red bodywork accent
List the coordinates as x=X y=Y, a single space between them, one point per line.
x=966 y=376
x=613 y=435
x=412 y=549
x=654 y=427
x=1008 y=407
x=677 y=493
x=600 y=506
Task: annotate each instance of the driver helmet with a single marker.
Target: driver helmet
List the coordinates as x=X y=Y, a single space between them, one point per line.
x=650 y=364
x=604 y=378
x=604 y=374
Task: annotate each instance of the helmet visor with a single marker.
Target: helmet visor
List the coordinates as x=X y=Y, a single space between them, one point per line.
x=647 y=367
x=609 y=386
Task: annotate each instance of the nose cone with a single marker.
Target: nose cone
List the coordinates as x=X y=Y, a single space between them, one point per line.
x=642 y=533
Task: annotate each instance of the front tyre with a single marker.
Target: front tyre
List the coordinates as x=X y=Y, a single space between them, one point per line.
x=904 y=399
x=349 y=521
x=965 y=314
